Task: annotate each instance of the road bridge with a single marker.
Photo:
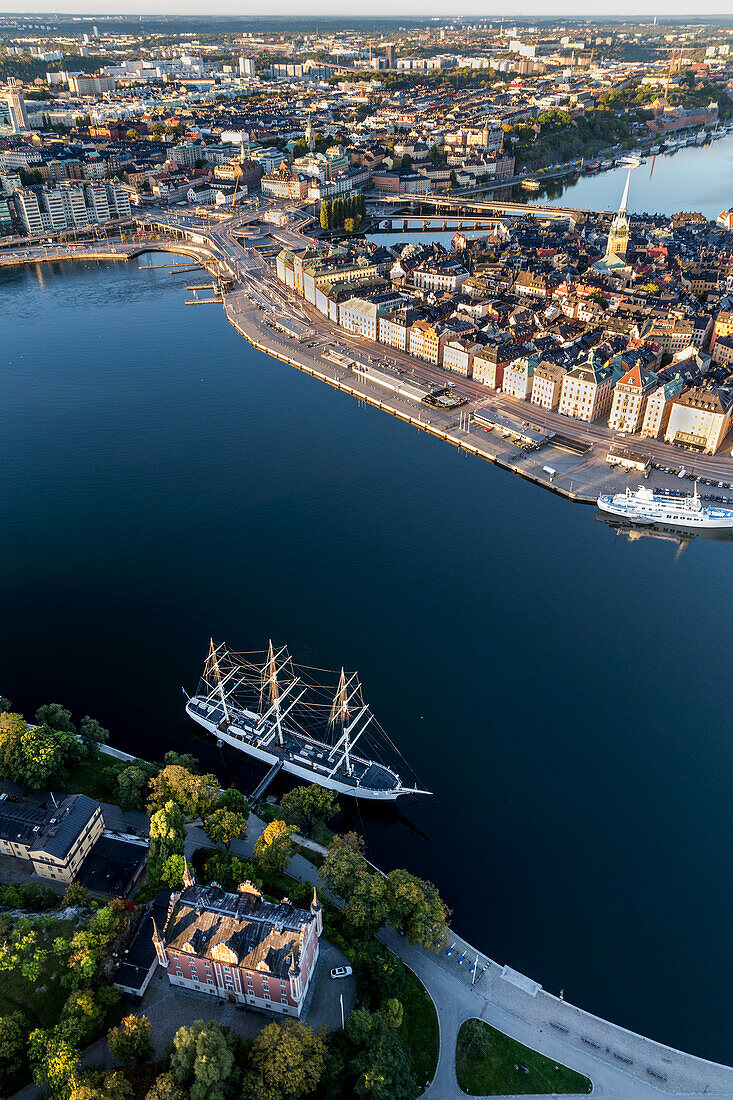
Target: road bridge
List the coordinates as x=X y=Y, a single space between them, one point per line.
x=453 y=205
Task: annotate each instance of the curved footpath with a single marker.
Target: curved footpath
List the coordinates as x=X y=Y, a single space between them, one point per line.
x=618 y=1062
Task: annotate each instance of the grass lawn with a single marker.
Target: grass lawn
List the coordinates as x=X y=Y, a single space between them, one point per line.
x=89 y=777
x=313 y=857
x=40 y=1001
x=507 y=1068
x=419 y=1029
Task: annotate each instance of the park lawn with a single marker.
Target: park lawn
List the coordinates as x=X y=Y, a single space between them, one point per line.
x=316 y=858
x=419 y=1029
x=89 y=777
x=501 y=1072
x=41 y=1001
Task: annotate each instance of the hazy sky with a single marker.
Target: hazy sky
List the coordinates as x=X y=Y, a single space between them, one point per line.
x=338 y=8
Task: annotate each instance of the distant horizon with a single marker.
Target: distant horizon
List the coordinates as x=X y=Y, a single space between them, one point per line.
x=378 y=9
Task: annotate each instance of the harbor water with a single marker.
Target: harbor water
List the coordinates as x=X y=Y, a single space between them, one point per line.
x=558 y=686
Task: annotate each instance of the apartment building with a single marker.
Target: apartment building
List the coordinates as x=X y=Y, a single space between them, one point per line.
x=547 y=385
x=518 y=376
x=586 y=391
x=55 y=841
x=630 y=399
x=699 y=420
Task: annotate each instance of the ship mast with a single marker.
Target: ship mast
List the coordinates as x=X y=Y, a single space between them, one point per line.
x=213 y=670
x=341 y=710
x=271 y=694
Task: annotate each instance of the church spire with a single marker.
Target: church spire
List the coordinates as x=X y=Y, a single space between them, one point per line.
x=625 y=199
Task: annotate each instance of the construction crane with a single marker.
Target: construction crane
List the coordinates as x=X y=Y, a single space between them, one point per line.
x=236 y=185
x=671 y=69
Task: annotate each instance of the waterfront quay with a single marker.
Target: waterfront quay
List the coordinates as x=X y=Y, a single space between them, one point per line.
x=572 y=457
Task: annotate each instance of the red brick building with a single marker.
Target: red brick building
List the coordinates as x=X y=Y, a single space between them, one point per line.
x=240 y=947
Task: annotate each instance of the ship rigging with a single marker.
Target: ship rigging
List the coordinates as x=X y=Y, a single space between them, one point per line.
x=275 y=711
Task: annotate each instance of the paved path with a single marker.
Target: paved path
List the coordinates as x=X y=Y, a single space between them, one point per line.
x=616 y=1060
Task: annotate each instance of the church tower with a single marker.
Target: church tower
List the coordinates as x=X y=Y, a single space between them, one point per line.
x=309 y=139
x=618 y=237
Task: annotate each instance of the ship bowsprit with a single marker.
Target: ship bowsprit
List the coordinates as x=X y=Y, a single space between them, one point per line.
x=277 y=712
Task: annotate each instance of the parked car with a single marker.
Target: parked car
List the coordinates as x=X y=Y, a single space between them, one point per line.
x=341 y=972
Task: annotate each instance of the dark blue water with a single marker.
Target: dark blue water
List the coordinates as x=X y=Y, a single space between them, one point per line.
x=563 y=691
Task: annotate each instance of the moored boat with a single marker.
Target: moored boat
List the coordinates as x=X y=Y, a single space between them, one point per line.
x=645 y=507
x=277 y=713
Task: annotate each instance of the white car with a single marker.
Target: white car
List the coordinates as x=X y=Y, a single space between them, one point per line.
x=341 y=972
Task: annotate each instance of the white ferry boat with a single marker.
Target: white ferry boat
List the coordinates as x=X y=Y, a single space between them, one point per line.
x=646 y=508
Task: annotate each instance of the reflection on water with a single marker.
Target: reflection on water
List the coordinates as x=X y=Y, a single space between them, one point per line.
x=681 y=535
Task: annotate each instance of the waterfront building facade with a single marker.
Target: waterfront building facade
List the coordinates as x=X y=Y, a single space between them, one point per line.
x=586 y=391
x=699 y=419
x=630 y=398
x=547 y=385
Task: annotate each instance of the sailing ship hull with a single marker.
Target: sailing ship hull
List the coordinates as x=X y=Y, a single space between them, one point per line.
x=292 y=766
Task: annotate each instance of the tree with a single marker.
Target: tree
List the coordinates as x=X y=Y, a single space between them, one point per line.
x=306 y=807
x=476 y=1038
x=13 y=1038
x=5 y=705
x=381 y=974
x=368 y=903
x=76 y=896
x=203 y=1060
x=229 y=871
x=92 y=732
x=274 y=847
x=12 y=726
x=56 y=716
x=54 y=1061
x=234 y=800
x=224 y=826
x=90 y=946
x=131 y=785
x=112 y=1085
x=381 y=1065
x=131 y=1042
x=344 y=864
x=171 y=874
x=43 y=755
x=195 y=794
x=184 y=759
x=84 y=1014
x=417 y=909
x=165 y=1088
x=393 y=1012
x=289 y=1057
x=324 y=219
x=166 y=838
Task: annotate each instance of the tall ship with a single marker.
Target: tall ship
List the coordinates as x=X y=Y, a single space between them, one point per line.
x=264 y=705
x=646 y=507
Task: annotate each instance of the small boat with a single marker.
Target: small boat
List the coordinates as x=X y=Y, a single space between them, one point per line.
x=531 y=184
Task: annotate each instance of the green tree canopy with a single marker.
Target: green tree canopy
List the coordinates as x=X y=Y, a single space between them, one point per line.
x=54 y=1061
x=93 y=732
x=344 y=864
x=274 y=847
x=306 y=807
x=56 y=716
x=203 y=1060
x=224 y=826
x=195 y=794
x=417 y=909
x=132 y=1041
x=289 y=1058
x=167 y=832
x=13 y=1038
x=380 y=1065
x=165 y=1088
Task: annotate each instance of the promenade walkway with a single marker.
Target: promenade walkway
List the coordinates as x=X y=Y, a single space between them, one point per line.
x=620 y=1063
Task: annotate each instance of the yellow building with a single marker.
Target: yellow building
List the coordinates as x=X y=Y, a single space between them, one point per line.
x=699 y=420
x=55 y=841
